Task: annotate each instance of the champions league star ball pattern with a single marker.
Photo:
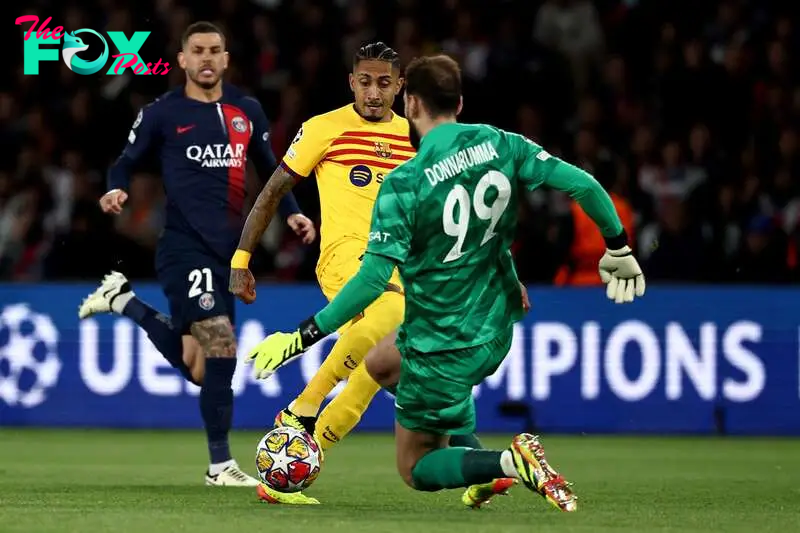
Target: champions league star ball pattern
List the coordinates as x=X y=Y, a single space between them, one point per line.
x=29 y=362
x=288 y=460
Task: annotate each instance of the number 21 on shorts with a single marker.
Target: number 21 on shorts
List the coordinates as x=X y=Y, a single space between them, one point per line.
x=459 y=196
x=201 y=281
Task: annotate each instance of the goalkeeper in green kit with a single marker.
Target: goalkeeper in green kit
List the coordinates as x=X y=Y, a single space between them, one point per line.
x=446 y=219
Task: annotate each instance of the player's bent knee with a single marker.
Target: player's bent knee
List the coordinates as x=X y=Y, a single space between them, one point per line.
x=383 y=361
x=216 y=336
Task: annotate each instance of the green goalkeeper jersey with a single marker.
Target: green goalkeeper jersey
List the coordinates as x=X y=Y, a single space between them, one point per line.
x=448 y=217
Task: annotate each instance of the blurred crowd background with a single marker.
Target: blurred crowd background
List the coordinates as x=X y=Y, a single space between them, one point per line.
x=687 y=110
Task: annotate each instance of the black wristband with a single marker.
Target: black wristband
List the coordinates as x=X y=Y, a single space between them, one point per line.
x=615 y=243
x=310 y=332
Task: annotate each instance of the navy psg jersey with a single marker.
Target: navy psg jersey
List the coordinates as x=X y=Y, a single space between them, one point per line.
x=203 y=149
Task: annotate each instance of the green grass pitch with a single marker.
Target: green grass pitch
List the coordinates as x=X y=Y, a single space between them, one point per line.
x=151 y=482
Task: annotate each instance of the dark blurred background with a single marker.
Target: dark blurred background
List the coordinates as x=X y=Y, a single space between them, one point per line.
x=686 y=110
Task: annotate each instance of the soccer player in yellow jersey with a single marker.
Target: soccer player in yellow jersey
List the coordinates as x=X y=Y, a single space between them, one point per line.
x=350 y=150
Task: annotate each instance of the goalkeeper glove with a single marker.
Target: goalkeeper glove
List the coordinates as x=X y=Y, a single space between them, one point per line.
x=622 y=275
x=281 y=348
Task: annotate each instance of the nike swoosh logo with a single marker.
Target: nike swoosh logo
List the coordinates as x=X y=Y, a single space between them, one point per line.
x=106 y=293
x=184 y=129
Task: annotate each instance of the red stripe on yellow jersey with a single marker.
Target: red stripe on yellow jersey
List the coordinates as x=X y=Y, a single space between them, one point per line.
x=363 y=142
x=370 y=153
x=359 y=133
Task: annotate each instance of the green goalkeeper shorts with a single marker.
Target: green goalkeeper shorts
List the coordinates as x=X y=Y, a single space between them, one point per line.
x=434 y=394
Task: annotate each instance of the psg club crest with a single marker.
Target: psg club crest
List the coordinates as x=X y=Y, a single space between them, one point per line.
x=383 y=149
x=206 y=301
x=239 y=124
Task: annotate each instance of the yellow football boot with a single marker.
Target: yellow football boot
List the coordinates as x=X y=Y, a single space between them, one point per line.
x=269 y=495
x=477 y=495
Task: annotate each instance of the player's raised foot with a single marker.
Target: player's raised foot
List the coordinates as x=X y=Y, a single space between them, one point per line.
x=477 y=495
x=106 y=298
x=270 y=495
x=231 y=476
x=537 y=474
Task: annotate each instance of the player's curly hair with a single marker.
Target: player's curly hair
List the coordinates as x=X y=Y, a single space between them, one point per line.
x=201 y=27
x=436 y=80
x=378 y=51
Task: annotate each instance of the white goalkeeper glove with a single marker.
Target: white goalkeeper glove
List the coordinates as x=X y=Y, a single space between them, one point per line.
x=622 y=275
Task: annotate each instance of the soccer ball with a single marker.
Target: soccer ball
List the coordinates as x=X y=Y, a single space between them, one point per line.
x=287 y=459
x=29 y=362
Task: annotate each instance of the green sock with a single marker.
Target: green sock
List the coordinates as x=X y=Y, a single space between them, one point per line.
x=392 y=389
x=467 y=441
x=450 y=468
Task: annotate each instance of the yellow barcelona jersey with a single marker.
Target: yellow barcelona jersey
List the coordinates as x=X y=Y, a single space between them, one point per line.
x=350 y=157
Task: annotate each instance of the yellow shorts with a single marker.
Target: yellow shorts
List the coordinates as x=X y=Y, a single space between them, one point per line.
x=336 y=267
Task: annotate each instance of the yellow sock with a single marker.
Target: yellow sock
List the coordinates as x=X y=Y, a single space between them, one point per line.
x=343 y=413
x=327 y=376
x=382 y=317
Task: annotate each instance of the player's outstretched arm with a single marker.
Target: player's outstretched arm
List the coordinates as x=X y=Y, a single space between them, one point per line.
x=367 y=285
x=618 y=268
x=242 y=283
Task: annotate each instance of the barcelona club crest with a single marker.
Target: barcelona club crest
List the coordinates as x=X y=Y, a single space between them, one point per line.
x=383 y=149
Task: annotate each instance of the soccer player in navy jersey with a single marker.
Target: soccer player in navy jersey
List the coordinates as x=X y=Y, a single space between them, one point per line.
x=203 y=133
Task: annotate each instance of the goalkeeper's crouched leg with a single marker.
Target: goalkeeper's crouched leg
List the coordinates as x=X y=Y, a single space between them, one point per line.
x=344 y=412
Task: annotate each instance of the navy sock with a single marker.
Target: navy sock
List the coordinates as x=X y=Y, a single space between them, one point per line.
x=161 y=332
x=466 y=441
x=216 y=406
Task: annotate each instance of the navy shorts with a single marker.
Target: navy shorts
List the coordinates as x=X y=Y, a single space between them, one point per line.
x=195 y=283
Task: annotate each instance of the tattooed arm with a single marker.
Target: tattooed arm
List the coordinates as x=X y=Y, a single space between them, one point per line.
x=242 y=282
x=260 y=153
x=307 y=150
x=264 y=209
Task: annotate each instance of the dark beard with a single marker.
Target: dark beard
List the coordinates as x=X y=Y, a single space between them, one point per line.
x=413 y=136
